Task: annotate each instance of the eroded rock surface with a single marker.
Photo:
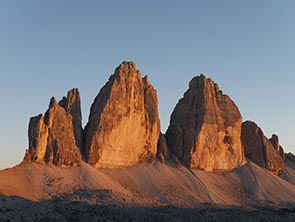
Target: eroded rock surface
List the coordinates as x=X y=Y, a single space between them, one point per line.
x=205 y=128
x=260 y=150
x=72 y=106
x=123 y=126
x=52 y=138
x=291 y=157
x=163 y=153
x=276 y=144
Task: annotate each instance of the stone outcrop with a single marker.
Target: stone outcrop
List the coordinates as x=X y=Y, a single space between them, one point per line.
x=163 y=153
x=260 y=150
x=291 y=157
x=72 y=106
x=205 y=128
x=123 y=126
x=52 y=136
x=275 y=142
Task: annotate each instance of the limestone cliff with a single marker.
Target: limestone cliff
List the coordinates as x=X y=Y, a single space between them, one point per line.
x=72 y=106
x=205 y=128
x=260 y=150
x=52 y=136
x=276 y=144
x=123 y=126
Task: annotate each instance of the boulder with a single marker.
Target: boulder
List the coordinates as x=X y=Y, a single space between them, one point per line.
x=260 y=150
x=205 y=128
x=123 y=127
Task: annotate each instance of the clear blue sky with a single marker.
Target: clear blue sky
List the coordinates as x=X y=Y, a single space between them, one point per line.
x=48 y=47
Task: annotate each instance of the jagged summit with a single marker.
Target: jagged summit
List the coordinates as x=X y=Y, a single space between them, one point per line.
x=205 y=128
x=53 y=102
x=123 y=126
x=52 y=137
x=72 y=106
x=276 y=144
x=266 y=153
x=125 y=67
x=123 y=129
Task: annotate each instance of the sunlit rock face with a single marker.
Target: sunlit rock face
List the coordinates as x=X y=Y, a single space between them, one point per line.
x=261 y=150
x=205 y=128
x=123 y=127
x=72 y=106
x=52 y=136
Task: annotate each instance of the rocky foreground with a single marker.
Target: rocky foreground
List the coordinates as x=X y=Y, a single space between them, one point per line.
x=20 y=210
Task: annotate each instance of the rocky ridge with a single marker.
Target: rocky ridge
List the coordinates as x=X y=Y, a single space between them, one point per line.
x=166 y=171
x=266 y=153
x=124 y=129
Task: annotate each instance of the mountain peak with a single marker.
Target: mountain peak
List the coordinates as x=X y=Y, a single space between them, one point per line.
x=123 y=126
x=53 y=102
x=53 y=138
x=126 y=68
x=205 y=128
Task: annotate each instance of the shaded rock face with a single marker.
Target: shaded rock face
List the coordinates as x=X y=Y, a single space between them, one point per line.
x=205 y=128
x=291 y=157
x=260 y=150
x=163 y=153
x=52 y=136
x=123 y=126
x=72 y=106
x=275 y=142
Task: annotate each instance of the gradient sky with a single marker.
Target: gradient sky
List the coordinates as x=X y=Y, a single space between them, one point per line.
x=49 y=47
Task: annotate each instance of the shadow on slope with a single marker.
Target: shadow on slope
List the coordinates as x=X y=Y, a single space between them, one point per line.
x=19 y=209
x=289 y=172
